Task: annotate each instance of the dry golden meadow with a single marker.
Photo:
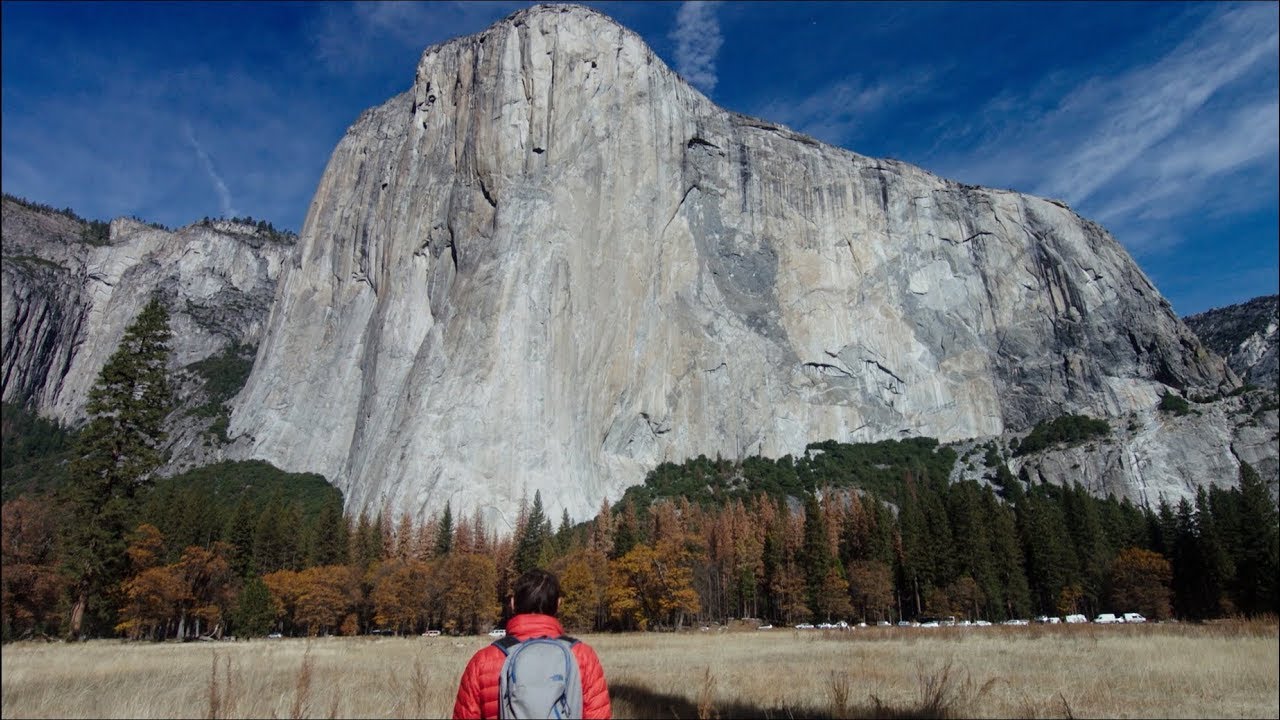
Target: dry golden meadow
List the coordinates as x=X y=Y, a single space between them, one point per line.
x=1227 y=669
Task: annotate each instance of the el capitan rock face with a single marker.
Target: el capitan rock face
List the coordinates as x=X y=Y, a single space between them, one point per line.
x=552 y=264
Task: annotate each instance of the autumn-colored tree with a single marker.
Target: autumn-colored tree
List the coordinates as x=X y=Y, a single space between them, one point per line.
x=584 y=586
x=315 y=600
x=601 y=534
x=30 y=582
x=404 y=539
x=322 y=603
x=966 y=597
x=1140 y=582
x=833 y=596
x=285 y=586
x=652 y=586
x=468 y=582
x=153 y=594
x=871 y=585
x=146 y=548
x=790 y=591
x=1069 y=600
x=210 y=583
x=400 y=595
x=152 y=598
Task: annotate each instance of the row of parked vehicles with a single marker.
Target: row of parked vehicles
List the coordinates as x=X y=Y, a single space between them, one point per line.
x=951 y=621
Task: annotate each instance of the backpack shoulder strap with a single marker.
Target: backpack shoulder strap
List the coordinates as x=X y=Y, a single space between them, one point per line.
x=505 y=643
x=570 y=639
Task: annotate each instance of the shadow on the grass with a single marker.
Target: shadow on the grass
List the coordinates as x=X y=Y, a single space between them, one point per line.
x=641 y=702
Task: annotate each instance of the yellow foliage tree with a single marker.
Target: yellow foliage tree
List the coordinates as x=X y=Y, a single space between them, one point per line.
x=652 y=586
x=467 y=582
x=399 y=595
x=584 y=585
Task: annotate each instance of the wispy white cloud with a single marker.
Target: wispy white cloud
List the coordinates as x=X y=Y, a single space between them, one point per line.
x=698 y=40
x=224 y=195
x=1140 y=147
x=1123 y=117
x=837 y=112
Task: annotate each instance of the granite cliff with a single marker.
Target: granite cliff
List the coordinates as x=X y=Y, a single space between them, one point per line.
x=551 y=264
x=1247 y=335
x=67 y=297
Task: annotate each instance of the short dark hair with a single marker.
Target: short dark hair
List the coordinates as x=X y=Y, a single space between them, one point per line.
x=537 y=591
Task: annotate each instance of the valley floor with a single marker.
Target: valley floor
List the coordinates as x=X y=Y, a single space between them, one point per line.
x=1227 y=669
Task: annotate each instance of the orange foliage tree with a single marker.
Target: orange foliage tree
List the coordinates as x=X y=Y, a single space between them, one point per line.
x=871 y=587
x=399 y=594
x=1140 y=583
x=30 y=584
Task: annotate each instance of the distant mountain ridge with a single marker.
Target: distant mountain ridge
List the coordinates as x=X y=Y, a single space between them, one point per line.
x=1247 y=335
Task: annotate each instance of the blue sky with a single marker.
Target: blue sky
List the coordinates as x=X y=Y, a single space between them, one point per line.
x=1158 y=120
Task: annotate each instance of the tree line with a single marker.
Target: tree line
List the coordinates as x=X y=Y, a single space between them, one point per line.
x=871 y=532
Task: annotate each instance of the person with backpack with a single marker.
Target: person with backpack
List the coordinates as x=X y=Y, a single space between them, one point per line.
x=535 y=671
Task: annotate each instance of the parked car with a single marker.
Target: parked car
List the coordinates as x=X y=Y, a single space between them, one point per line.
x=497 y=633
x=275 y=636
x=1077 y=618
x=765 y=627
x=805 y=626
x=1133 y=618
x=1107 y=619
x=431 y=633
x=982 y=623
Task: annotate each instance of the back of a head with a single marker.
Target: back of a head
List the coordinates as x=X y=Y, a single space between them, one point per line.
x=537 y=591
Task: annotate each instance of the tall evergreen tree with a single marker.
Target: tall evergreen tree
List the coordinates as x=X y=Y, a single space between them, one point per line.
x=444 y=536
x=531 y=549
x=115 y=455
x=238 y=532
x=815 y=555
x=1259 y=559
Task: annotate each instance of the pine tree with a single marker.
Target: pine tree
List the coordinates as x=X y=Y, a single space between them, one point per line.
x=444 y=536
x=815 y=555
x=238 y=532
x=255 y=610
x=1258 y=563
x=114 y=457
x=531 y=549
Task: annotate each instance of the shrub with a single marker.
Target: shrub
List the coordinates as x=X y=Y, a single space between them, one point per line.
x=1171 y=403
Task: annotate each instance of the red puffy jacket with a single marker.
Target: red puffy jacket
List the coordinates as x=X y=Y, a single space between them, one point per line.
x=478 y=690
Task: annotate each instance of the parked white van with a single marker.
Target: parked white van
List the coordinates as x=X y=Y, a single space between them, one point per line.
x=1134 y=618
x=1073 y=619
x=1107 y=618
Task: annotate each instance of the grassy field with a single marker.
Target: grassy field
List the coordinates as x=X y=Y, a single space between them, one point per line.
x=1222 y=670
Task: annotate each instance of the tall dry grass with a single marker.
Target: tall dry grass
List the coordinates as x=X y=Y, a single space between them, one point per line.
x=1226 y=669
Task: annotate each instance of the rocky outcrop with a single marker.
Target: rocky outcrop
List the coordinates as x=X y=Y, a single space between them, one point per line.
x=66 y=303
x=551 y=264
x=1247 y=335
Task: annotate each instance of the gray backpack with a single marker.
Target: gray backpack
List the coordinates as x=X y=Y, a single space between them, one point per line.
x=539 y=678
